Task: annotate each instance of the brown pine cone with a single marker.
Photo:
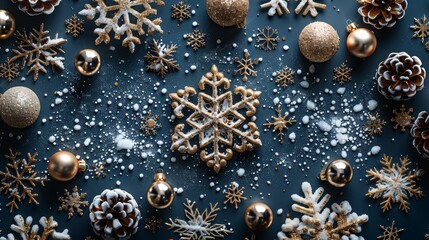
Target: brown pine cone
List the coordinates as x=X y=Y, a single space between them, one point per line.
x=382 y=13
x=114 y=214
x=400 y=76
x=420 y=133
x=37 y=7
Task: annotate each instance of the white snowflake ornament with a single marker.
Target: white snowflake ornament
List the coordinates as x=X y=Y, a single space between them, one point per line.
x=276 y=6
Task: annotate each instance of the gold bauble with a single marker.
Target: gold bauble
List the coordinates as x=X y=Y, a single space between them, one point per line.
x=7 y=24
x=63 y=166
x=227 y=13
x=361 y=42
x=258 y=216
x=318 y=42
x=160 y=193
x=87 y=62
x=19 y=107
x=338 y=173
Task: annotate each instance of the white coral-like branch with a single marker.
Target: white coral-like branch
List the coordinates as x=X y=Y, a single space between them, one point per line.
x=311 y=7
x=276 y=6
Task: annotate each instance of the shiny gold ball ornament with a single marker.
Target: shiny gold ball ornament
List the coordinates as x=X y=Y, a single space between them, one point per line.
x=63 y=166
x=160 y=193
x=87 y=62
x=19 y=107
x=227 y=13
x=318 y=42
x=338 y=173
x=7 y=24
x=361 y=42
x=258 y=216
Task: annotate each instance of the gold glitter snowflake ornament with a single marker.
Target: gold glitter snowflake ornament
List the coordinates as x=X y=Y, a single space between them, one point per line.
x=9 y=70
x=342 y=74
x=216 y=120
x=150 y=124
x=374 y=124
x=195 y=40
x=234 y=195
x=19 y=179
x=395 y=183
x=285 y=77
x=74 y=26
x=118 y=18
x=390 y=233
x=402 y=118
x=246 y=66
x=72 y=202
x=160 y=59
x=421 y=28
x=267 y=39
x=180 y=11
x=280 y=123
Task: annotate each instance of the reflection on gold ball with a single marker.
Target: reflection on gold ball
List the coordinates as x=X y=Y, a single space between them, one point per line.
x=318 y=42
x=87 y=62
x=7 y=24
x=63 y=166
x=258 y=216
x=19 y=107
x=160 y=193
x=338 y=173
x=227 y=13
x=361 y=42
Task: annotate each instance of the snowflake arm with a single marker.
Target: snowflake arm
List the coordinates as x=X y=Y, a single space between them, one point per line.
x=311 y=7
x=276 y=6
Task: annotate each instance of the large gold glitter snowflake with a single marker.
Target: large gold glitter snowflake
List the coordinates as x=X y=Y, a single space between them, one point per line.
x=72 y=201
x=180 y=11
x=234 y=195
x=37 y=50
x=19 y=179
x=280 y=123
x=402 y=118
x=342 y=74
x=160 y=58
x=374 y=124
x=390 y=232
x=118 y=18
x=421 y=28
x=246 y=66
x=74 y=26
x=395 y=183
x=199 y=225
x=267 y=38
x=195 y=39
x=9 y=70
x=216 y=120
x=285 y=77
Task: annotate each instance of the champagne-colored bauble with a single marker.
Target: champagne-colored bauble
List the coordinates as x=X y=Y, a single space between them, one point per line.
x=87 y=62
x=361 y=42
x=258 y=216
x=160 y=193
x=227 y=13
x=63 y=166
x=338 y=173
x=19 y=107
x=7 y=24
x=318 y=42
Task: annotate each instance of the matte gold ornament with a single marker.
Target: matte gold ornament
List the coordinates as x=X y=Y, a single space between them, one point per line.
x=63 y=166
x=361 y=42
x=160 y=193
x=87 y=62
x=318 y=42
x=19 y=107
x=7 y=24
x=338 y=173
x=258 y=216
x=227 y=13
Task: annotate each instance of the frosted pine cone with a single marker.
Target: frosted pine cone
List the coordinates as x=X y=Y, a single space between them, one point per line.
x=400 y=76
x=114 y=214
x=420 y=133
x=36 y=7
x=382 y=13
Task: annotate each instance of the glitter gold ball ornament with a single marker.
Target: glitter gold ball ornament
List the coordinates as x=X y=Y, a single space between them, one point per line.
x=19 y=107
x=63 y=166
x=361 y=42
x=318 y=42
x=338 y=173
x=160 y=193
x=227 y=13
x=258 y=216
x=87 y=62
x=7 y=24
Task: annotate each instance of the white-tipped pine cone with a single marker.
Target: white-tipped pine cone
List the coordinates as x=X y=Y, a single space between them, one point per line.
x=420 y=133
x=400 y=76
x=36 y=7
x=114 y=214
x=382 y=13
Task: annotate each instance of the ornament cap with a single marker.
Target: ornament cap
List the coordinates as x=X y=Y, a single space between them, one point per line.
x=351 y=26
x=82 y=166
x=159 y=177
